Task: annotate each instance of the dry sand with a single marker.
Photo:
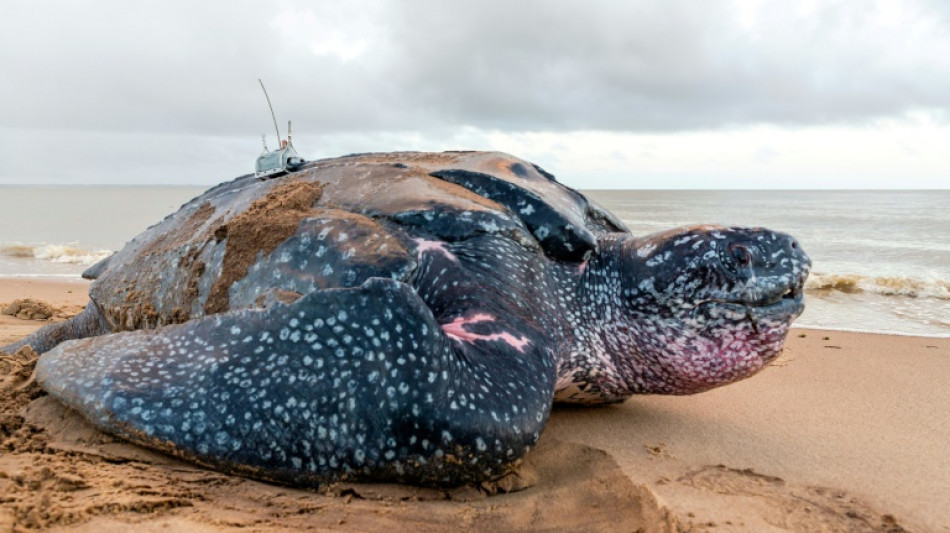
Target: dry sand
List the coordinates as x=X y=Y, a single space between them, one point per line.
x=847 y=432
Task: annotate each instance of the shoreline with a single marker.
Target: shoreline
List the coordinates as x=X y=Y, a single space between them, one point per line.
x=842 y=432
x=872 y=332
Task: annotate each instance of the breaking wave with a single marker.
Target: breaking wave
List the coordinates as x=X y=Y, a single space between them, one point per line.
x=883 y=285
x=17 y=251
x=56 y=253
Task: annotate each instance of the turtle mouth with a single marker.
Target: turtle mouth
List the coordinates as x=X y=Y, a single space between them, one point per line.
x=767 y=311
x=789 y=294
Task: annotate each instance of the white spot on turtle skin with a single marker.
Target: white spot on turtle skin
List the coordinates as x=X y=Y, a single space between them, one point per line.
x=490 y=227
x=646 y=250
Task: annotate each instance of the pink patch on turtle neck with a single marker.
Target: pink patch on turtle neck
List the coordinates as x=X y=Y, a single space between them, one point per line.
x=457 y=331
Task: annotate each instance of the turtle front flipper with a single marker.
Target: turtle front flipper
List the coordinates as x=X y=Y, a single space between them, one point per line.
x=357 y=383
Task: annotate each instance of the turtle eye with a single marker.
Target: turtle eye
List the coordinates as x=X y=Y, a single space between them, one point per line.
x=741 y=254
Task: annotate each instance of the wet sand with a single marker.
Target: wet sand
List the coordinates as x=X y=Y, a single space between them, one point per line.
x=846 y=432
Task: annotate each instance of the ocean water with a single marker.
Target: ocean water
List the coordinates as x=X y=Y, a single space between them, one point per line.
x=881 y=259
x=60 y=231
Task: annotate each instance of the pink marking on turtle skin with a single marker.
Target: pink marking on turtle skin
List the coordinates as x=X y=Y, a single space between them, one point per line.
x=423 y=245
x=456 y=330
x=581 y=268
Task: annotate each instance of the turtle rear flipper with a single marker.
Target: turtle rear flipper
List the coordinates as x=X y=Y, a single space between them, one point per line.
x=88 y=323
x=343 y=383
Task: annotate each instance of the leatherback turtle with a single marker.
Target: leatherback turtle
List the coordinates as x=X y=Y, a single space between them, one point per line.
x=407 y=317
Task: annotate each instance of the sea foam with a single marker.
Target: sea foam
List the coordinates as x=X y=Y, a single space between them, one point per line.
x=908 y=286
x=56 y=253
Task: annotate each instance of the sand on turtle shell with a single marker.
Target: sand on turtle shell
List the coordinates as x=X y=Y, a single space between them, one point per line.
x=267 y=223
x=183 y=234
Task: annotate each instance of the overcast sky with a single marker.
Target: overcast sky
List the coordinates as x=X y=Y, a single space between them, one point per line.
x=605 y=94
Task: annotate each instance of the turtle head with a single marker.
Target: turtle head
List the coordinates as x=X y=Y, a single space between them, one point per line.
x=708 y=305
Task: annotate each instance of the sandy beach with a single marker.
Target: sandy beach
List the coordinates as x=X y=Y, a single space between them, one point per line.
x=845 y=432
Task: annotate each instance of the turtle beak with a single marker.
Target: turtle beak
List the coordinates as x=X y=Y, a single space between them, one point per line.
x=764 y=277
x=771 y=269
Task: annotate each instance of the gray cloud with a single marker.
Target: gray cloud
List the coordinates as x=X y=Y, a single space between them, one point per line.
x=670 y=65
x=171 y=67
x=430 y=67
